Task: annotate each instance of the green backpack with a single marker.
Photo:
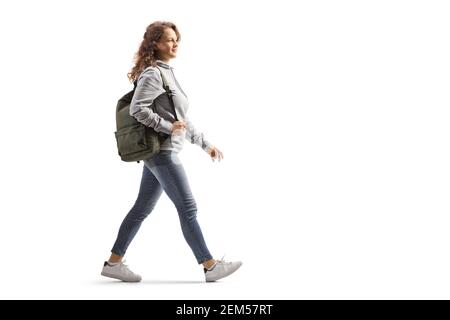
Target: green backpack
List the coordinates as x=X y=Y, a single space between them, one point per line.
x=136 y=141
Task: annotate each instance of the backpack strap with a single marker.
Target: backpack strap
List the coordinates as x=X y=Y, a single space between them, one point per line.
x=169 y=93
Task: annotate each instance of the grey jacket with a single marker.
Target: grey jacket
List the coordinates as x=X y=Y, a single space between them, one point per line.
x=150 y=90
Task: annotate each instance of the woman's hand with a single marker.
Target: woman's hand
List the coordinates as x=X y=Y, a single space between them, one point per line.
x=215 y=154
x=178 y=125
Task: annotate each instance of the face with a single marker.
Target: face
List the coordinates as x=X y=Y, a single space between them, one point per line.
x=168 y=45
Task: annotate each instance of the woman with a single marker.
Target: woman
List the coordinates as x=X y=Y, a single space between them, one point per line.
x=164 y=171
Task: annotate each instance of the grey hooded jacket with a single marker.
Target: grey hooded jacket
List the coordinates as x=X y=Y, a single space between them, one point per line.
x=150 y=90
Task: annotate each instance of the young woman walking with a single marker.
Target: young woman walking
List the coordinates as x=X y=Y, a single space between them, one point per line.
x=164 y=171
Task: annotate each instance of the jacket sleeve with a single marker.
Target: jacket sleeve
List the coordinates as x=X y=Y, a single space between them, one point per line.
x=196 y=137
x=148 y=88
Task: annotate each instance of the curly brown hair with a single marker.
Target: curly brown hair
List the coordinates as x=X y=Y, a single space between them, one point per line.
x=147 y=54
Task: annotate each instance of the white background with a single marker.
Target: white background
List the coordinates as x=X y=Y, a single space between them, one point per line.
x=333 y=117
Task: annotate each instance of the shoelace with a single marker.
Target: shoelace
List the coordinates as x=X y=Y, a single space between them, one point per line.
x=222 y=261
x=125 y=268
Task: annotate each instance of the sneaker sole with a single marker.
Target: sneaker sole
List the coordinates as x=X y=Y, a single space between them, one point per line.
x=109 y=275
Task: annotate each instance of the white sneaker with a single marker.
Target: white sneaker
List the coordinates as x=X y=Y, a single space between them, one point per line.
x=120 y=271
x=221 y=269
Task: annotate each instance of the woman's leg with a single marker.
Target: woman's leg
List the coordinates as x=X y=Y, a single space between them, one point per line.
x=149 y=193
x=169 y=171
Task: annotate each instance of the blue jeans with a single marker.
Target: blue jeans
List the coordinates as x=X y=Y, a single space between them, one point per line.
x=164 y=171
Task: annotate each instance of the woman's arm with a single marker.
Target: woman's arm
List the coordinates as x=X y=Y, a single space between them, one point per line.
x=148 y=88
x=196 y=137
